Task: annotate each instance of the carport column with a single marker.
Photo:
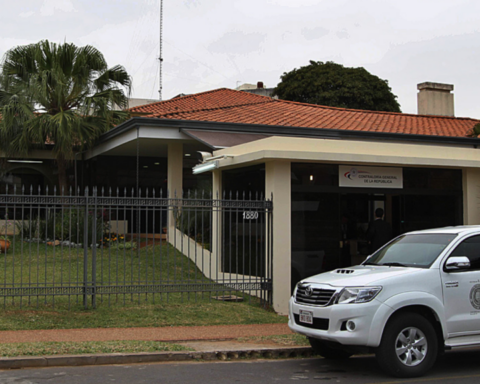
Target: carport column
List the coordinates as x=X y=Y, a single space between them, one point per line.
x=278 y=182
x=174 y=181
x=217 y=226
x=471 y=196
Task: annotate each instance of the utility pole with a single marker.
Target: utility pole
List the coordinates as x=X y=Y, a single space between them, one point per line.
x=160 y=58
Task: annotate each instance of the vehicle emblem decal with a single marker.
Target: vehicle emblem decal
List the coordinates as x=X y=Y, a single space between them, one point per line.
x=308 y=290
x=475 y=296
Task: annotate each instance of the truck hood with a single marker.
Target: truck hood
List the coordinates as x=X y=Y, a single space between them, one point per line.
x=359 y=275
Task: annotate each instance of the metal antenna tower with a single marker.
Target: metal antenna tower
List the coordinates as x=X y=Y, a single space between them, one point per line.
x=160 y=58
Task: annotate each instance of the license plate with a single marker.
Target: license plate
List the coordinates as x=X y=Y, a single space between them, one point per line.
x=306 y=317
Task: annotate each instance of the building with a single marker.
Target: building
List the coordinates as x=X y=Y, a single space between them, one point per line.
x=258 y=89
x=327 y=169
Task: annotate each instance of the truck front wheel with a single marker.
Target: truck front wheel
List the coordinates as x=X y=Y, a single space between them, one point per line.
x=409 y=346
x=322 y=349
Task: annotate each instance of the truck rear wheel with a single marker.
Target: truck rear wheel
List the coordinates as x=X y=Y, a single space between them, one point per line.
x=409 y=346
x=322 y=349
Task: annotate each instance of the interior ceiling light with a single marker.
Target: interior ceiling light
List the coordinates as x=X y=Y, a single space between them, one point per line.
x=156 y=163
x=145 y=166
x=187 y=155
x=311 y=177
x=26 y=161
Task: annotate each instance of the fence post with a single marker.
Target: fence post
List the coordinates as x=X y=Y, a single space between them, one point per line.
x=94 y=249
x=85 y=251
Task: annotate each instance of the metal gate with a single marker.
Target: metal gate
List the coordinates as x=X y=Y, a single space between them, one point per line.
x=103 y=246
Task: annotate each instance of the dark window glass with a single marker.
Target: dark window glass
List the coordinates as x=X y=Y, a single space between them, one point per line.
x=244 y=183
x=431 y=211
x=121 y=172
x=432 y=178
x=470 y=248
x=195 y=185
x=314 y=174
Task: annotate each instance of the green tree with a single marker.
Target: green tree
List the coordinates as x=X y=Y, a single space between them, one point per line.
x=59 y=96
x=337 y=86
x=475 y=132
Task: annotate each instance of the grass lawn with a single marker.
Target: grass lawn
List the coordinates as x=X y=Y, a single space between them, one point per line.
x=293 y=340
x=32 y=263
x=79 y=348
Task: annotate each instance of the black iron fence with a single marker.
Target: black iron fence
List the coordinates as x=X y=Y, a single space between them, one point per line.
x=101 y=246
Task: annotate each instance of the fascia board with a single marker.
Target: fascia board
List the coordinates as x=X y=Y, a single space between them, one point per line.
x=351 y=152
x=132 y=134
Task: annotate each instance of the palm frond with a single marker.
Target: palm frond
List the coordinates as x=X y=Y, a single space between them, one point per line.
x=59 y=94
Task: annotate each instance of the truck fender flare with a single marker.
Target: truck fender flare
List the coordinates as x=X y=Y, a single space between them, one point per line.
x=403 y=300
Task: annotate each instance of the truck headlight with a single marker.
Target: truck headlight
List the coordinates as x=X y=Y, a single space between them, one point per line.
x=352 y=295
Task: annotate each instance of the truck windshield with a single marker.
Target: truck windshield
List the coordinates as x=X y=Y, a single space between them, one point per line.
x=418 y=251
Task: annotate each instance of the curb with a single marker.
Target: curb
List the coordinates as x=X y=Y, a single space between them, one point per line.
x=150 y=357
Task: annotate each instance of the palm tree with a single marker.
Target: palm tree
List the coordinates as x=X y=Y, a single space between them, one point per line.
x=58 y=95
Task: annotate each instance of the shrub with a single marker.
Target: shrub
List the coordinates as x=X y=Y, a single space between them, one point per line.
x=68 y=225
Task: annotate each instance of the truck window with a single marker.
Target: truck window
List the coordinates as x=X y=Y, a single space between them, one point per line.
x=418 y=250
x=471 y=248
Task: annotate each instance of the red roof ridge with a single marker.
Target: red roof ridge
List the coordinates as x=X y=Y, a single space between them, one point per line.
x=372 y=112
x=194 y=95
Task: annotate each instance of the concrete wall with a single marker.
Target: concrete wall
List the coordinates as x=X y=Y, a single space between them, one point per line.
x=209 y=263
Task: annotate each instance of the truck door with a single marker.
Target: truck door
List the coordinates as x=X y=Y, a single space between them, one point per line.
x=461 y=290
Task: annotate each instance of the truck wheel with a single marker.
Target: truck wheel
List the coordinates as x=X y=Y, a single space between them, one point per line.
x=327 y=352
x=409 y=346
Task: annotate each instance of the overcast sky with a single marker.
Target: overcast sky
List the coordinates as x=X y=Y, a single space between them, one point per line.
x=211 y=44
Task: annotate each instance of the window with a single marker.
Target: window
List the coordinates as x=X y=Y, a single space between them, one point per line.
x=419 y=251
x=471 y=249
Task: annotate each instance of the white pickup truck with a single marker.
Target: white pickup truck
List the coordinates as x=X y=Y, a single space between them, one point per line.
x=408 y=302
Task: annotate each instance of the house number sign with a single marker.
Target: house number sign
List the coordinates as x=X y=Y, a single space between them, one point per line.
x=250 y=215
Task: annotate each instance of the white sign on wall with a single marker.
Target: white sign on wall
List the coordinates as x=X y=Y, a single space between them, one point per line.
x=370 y=177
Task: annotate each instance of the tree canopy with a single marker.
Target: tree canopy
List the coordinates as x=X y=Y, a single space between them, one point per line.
x=58 y=95
x=337 y=86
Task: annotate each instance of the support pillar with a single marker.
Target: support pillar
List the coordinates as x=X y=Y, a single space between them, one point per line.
x=174 y=180
x=217 y=223
x=471 y=196
x=278 y=183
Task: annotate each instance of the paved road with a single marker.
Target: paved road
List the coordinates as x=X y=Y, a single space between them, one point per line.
x=457 y=367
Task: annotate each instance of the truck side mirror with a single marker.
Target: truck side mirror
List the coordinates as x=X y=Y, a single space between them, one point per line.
x=456 y=263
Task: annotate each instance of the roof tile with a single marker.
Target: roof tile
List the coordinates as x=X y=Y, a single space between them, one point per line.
x=229 y=106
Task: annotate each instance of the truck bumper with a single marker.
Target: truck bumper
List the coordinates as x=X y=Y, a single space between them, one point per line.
x=369 y=319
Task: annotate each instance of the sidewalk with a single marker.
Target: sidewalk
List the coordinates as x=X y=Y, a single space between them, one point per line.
x=207 y=343
x=220 y=332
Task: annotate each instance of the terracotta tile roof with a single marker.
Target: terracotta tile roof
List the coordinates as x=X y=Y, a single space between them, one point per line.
x=218 y=98
x=226 y=105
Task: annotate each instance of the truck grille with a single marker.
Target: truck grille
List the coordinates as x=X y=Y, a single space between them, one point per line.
x=308 y=294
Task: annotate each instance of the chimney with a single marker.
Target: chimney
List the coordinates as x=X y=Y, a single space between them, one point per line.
x=435 y=99
x=260 y=84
